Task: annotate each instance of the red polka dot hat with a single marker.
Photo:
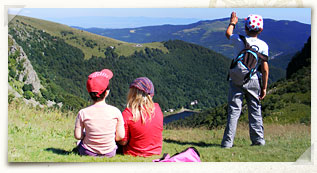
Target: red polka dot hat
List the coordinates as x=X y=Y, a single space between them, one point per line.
x=254 y=22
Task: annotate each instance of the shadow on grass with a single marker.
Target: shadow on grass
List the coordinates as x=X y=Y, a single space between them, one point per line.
x=199 y=144
x=61 y=151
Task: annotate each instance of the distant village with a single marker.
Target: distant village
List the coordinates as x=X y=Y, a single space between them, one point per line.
x=192 y=103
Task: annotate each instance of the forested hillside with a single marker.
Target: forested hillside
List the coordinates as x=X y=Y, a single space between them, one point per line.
x=288 y=101
x=300 y=60
x=186 y=73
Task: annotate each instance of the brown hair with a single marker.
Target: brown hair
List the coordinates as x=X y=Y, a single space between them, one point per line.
x=252 y=32
x=95 y=98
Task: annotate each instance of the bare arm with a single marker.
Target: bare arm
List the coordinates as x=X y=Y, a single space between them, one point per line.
x=233 y=22
x=78 y=133
x=125 y=139
x=265 y=77
x=120 y=132
x=79 y=129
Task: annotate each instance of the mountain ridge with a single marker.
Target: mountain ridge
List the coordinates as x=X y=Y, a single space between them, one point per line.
x=203 y=33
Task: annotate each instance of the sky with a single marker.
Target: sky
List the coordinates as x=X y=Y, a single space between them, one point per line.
x=136 y=17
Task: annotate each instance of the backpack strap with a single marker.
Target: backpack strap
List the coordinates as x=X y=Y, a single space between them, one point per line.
x=231 y=65
x=233 y=60
x=246 y=44
x=263 y=57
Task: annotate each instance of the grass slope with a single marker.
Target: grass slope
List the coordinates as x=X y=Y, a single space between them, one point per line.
x=46 y=135
x=79 y=38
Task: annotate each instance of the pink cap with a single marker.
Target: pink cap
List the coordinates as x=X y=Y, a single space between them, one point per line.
x=254 y=22
x=99 y=81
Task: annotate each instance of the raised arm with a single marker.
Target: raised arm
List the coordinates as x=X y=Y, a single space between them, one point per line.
x=232 y=24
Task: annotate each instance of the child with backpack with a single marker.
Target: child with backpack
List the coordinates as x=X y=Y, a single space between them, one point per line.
x=99 y=125
x=143 y=121
x=245 y=79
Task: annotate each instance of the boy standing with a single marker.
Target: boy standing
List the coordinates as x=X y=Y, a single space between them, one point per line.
x=253 y=90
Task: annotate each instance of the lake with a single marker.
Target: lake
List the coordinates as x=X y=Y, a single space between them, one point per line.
x=177 y=116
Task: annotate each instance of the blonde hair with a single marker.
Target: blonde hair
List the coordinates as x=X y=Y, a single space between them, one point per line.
x=141 y=105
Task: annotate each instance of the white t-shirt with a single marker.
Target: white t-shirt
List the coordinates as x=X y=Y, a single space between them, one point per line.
x=239 y=45
x=254 y=42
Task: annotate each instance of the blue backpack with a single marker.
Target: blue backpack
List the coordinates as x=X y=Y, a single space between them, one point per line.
x=246 y=64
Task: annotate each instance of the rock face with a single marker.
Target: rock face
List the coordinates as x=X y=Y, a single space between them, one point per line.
x=28 y=74
x=16 y=94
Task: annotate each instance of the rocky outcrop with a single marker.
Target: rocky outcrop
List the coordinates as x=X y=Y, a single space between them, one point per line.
x=33 y=102
x=15 y=93
x=28 y=75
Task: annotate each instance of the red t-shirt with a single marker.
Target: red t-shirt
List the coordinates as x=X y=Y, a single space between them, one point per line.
x=143 y=139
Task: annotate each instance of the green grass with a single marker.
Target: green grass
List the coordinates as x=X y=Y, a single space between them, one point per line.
x=46 y=135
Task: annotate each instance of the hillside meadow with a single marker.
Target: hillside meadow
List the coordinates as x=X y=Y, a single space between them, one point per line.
x=46 y=135
x=80 y=38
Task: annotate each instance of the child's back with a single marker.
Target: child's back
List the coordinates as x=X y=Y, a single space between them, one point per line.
x=144 y=139
x=143 y=121
x=100 y=123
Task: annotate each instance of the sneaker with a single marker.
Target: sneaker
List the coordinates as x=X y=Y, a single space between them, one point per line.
x=225 y=147
x=258 y=144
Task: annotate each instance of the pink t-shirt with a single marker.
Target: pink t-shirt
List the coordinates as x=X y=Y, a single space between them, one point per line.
x=99 y=122
x=143 y=139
